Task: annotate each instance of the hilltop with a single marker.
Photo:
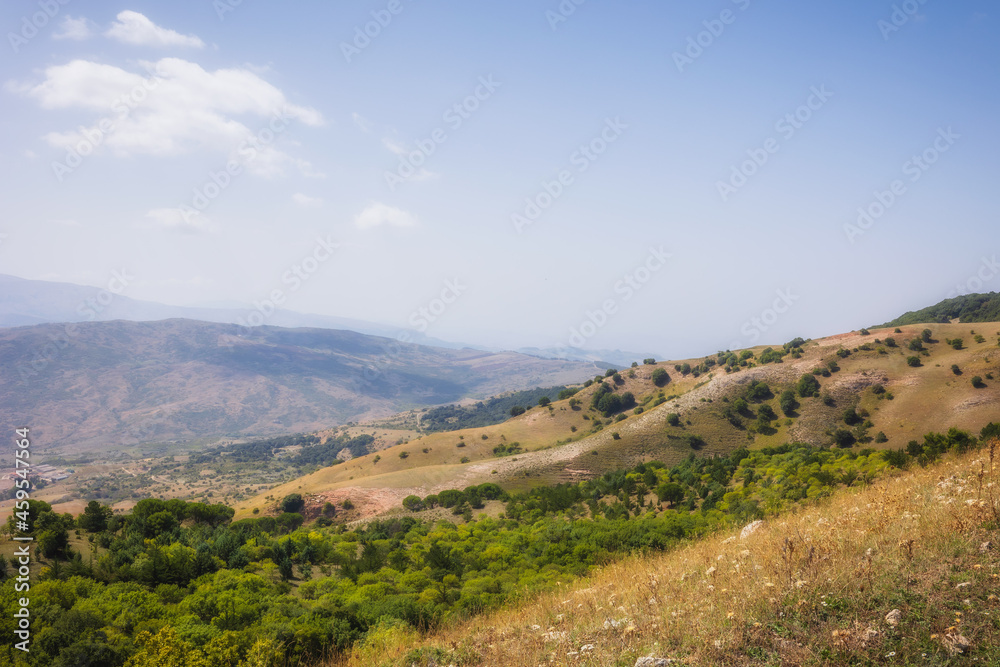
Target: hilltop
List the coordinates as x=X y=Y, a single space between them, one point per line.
x=968 y=308
x=866 y=373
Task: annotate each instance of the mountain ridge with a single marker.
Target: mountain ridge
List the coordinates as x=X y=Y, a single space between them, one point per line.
x=120 y=382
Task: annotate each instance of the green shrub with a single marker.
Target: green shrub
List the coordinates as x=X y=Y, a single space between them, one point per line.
x=660 y=377
x=293 y=502
x=787 y=402
x=807 y=386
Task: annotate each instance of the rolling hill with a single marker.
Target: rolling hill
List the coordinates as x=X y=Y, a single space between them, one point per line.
x=101 y=385
x=565 y=442
x=967 y=309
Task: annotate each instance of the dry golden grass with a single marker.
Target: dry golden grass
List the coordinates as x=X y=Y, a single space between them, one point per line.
x=812 y=587
x=922 y=395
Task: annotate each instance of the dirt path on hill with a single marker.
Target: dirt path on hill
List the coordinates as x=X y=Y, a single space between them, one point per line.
x=375 y=501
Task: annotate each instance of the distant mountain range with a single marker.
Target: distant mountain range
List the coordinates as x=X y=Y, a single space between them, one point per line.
x=27 y=302
x=104 y=384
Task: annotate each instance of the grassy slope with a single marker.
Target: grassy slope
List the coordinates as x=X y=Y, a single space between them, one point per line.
x=811 y=587
x=967 y=308
x=927 y=398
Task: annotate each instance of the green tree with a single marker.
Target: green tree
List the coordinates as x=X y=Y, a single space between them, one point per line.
x=413 y=503
x=660 y=377
x=293 y=502
x=95 y=517
x=54 y=542
x=977 y=382
x=544 y=401
x=670 y=492
x=843 y=438
x=160 y=524
x=913 y=361
x=787 y=402
x=851 y=416
x=609 y=404
x=674 y=419
x=766 y=414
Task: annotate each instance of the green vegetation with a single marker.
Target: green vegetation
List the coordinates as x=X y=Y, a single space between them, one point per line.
x=967 y=308
x=488 y=412
x=788 y=403
x=181 y=580
x=808 y=386
x=608 y=403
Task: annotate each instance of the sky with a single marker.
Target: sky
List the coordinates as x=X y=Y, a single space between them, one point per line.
x=665 y=177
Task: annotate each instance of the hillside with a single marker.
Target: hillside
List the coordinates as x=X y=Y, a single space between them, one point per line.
x=903 y=571
x=565 y=442
x=100 y=385
x=968 y=308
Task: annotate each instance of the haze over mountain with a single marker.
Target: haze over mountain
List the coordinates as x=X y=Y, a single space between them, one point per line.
x=102 y=384
x=26 y=302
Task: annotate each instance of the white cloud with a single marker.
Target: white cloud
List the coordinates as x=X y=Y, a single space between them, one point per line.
x=176 y=107
x=394 y=146
x=361 y=122
x=77 y=29
x=176 y=220
x=378 y=214
x=306 y=201
x=402 y=151
x=134 y=28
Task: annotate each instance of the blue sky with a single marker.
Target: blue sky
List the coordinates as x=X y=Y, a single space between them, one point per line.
x=666 y=177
